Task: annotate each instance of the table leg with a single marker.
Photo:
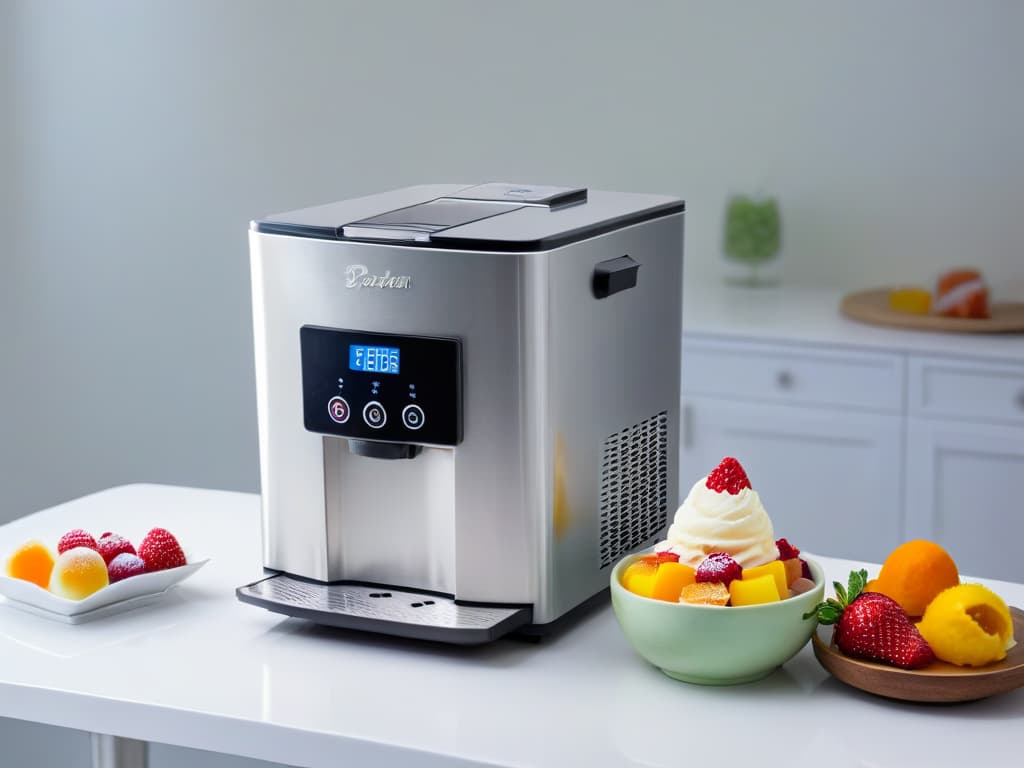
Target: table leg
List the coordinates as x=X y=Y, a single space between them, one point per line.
x=117 y=752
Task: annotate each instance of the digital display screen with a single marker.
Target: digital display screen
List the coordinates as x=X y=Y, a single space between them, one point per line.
x=373 y=359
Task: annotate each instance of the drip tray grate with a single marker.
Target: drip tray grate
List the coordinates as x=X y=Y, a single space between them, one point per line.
x=385 y=610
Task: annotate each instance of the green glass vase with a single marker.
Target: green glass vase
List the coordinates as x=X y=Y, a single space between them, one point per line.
x=753 y=235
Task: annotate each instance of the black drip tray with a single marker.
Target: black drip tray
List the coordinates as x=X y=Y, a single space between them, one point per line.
x=385 y=610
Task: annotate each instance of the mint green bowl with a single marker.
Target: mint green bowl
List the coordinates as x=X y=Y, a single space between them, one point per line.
x=710 y=644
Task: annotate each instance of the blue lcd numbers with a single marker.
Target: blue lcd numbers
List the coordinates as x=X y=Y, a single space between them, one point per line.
x=373 y=359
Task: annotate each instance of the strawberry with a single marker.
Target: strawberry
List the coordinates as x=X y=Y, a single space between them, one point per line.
x=871 y=625
x=718 y=567
x=76 y=537
x=160 y=550
x=111 y=545
x=786 y=550
x=728 y=476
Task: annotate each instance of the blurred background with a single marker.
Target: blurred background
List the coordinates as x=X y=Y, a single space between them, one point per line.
x=138 y=139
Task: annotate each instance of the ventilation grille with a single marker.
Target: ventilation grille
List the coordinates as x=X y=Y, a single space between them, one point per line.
x=634 y=486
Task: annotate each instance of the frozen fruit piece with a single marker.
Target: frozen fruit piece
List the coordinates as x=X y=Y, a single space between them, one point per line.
x=78 y=573
x=786 y=550
x=111 y=545
x=968 y=625
x=705 y=593
x=75 y=538
x=161 y=550
x=760 y=589
x=32 y=561
x=872 y=626
x=124 y=565
x=669 y=581
x=794 y=569
x=775 y=569
x=638 y=578
x=667 y=557
x=718 y=566
x=728 y=476
x=805 y=569
x=800 y=586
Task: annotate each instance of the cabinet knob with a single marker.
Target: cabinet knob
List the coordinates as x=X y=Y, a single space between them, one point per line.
x=784 y=379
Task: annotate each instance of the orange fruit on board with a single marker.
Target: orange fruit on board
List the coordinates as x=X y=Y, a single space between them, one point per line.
x=914 y=573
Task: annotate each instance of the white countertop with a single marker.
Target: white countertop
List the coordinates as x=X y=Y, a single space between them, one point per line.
x=808 y=315
x=199 y=669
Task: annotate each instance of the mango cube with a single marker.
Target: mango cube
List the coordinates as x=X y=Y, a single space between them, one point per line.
x=638 y=578
x=776 y=569
x=670 y=580
x=760 y=589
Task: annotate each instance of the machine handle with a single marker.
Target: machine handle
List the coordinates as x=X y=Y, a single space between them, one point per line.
x=614 y=275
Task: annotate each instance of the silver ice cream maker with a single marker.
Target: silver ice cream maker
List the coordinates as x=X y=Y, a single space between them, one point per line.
x=468 y=403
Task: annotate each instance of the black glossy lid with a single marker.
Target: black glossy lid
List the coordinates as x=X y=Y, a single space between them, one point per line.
x=484 y=217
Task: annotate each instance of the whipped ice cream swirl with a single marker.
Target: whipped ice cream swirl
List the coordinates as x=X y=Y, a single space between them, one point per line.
x=711 y=521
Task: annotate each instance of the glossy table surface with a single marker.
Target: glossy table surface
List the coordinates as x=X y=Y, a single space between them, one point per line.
x=199 y=669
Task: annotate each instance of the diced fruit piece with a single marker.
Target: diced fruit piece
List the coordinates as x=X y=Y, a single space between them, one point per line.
x=111 y=545
x=161 y=550
x=786 y=550
x=718 y=567
x=76 y=537
x=872 y=626
x=794 y=569
x=670 y=579
x=667 y=557
x=728 y=476
x=775 y=569
x=78 y=573
x=32 y=561
x=705 y=593
x=800 y=586
x=639 y=577
x=968 y=625
x=124 y=565
x=754 y=591
x=916 y=301
x=805 y=569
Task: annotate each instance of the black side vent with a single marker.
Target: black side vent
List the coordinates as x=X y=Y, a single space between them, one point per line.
x=634 y=487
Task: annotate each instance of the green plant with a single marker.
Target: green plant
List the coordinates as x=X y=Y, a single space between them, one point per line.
x=753 y=231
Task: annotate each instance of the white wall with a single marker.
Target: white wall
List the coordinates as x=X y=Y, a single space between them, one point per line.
x=142 y=136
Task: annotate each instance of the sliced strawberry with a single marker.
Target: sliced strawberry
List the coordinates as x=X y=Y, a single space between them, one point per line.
x=786 y=550
x=160 y=550
x=718 y=567
x=728 y=476
x=77 y=537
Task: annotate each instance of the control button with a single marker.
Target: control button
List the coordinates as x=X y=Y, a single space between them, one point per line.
x=374 y=415
x=412 y=416
x=337 y=407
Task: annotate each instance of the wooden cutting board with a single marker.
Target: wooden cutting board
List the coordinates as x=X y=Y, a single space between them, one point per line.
x=873 y=307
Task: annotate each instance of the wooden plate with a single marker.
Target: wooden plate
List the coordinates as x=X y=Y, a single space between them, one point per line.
x=939 y=682
x=873 y=307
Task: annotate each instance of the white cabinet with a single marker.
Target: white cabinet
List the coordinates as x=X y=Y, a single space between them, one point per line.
x=829 y=478
x=854 y=451
x=965 y=462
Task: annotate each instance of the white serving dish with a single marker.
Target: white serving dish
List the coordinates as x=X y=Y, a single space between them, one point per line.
x=133 y=592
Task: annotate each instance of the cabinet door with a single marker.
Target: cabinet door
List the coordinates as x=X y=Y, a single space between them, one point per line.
x=963 y=492
x=830 y=479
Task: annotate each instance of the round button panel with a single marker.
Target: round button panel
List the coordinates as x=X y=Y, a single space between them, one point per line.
x=337 y=408
x=374 y=415
x=413 y=416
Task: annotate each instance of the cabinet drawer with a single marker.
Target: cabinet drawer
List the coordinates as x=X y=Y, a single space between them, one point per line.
x=792 y=374
x=958 y=389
